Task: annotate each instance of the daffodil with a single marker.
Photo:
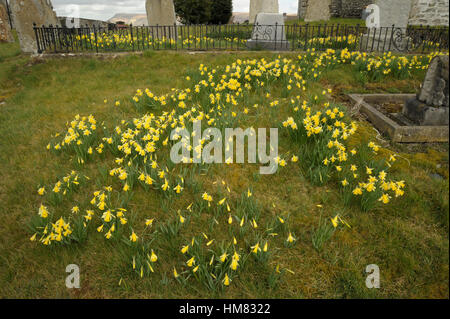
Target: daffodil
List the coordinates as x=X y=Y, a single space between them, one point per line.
x=290 y=238
x=153 y=258
x=133 y=237
x=223 y=257
x=43 y=212
x=385 y=198
x=226 y=280
x=184 y=249
x=255 y=248
x=178 y=189
x=41 y=191
x=334 y=221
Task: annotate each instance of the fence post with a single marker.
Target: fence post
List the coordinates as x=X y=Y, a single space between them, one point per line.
x=53 y=36
x=96 y=40
x=306 y=36
x=131 y=36
x=357 y=35
x=392 y=36
x=175 y=35
x=276 y=29
x=143 y=37
x=37 y=38
x=294 y=36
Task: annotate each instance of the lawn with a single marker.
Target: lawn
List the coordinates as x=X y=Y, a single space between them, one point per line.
x=293 y=211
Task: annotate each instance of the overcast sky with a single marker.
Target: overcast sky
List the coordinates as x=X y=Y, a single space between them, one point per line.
x=105 y=9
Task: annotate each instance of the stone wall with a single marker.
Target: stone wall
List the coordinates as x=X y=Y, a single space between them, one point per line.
x=338 y=8
x=429 y=12
x=351 y=8
x=425 y=12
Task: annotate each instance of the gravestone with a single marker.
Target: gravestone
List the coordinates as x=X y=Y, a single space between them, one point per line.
x=394 y=12
x=27 y=12
x=431 y=105
x=262 y=6
x=318 y=10
x=269 y=33
x=382 y=15
x=5 y=28
x=161 y=13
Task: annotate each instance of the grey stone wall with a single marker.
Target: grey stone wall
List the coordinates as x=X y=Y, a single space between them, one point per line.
x=338 y=8
x=429 y=12
x=352 y=8
x=425 y=12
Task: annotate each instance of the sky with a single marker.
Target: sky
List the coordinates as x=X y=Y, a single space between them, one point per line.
x=106 y=9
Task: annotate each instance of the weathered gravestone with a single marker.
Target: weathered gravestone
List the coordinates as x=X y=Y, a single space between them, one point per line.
x=318 y=10
x=382 y=15
x=431 y=105
x=262 y=6
x=269 y=33
x=5 y=28
x=161 y=13
x=394 y=12
x=27 y=12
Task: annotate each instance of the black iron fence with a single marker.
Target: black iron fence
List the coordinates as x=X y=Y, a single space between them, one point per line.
x=236 y=36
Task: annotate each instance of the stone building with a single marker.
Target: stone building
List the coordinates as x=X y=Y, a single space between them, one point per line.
x=82 y=22
x=423 y=12
x=429 y=12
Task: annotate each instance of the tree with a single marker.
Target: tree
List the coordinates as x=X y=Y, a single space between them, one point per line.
x=221 y=11
x=204 y=11
x=194 y=11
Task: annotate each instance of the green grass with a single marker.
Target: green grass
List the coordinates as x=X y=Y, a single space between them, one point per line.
x=408 y=239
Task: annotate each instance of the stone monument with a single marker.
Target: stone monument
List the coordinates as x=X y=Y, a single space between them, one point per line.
x=388 y=13
x=394 y=12
x=269 y=33
x=5 y=28
x=318 y=10
x=431 y=105
x=161 y=13
x=262 y=6
x=27 y=12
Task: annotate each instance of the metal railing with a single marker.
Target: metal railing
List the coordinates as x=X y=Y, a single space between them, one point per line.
x=235 y=36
